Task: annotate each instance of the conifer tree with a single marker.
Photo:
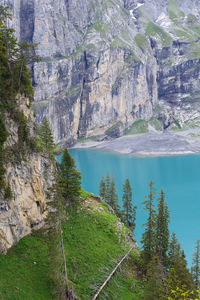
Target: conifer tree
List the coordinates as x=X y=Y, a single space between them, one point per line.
x=6 y=36
x=174 y=249
x=162 y=230
x=14 y=58
x=148 y=237
x=114 y=200
x=107 y=190
x=178 y=262
x=46 y=136
x=102 y=188
x=196 y=265
x=129 y=210
x=172 y=281
x=70 y=179
x=155 y=276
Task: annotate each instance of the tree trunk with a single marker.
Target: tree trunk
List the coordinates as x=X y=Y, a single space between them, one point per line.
x=111 y=274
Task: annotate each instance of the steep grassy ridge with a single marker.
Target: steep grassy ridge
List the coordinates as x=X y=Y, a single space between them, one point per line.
x=94 y=241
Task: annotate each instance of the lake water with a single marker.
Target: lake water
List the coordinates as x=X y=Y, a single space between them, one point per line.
x=178 y=175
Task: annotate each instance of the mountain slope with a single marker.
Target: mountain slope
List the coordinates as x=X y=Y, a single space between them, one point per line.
x=112 y=62
x=94 y=241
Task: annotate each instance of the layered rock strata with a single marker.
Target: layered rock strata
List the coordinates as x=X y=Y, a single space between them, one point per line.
x=109 y=62
x=29 y=180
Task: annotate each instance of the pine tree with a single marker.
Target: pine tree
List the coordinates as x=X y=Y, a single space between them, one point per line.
x=10 y=85
x=14 y=58
x=178 y=262
x=155 y=276
x=70 y=179
x=174 y=249
x=114 y=200
x=162 y=230
x=46 y=137
x=102 y=188
x=107 y=191
x=172 y=282
x=148 y=237
x=6 y=36
x=196 y=265
x=129 y=210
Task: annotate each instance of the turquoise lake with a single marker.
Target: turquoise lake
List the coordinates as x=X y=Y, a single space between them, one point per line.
x=178 y=175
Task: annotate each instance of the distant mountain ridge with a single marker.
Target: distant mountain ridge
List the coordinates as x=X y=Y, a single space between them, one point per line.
x=112 y=62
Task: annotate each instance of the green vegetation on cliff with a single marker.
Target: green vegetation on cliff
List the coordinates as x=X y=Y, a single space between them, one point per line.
x=138 y=127
x=155 y=30
x=14 y=79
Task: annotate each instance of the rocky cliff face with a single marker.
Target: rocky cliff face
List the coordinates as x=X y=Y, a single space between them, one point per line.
x=27 y=208
x=110 y=62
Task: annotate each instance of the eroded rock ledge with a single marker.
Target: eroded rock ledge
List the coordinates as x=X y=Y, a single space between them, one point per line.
x=29 y=180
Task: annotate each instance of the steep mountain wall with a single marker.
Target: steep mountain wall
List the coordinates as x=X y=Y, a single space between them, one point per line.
x=26 y=209
x=110 y=62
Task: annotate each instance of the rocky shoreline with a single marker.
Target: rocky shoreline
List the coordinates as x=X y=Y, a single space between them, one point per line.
x=151 y=144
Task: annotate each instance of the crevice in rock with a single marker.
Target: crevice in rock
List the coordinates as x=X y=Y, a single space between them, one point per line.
x=27 y=16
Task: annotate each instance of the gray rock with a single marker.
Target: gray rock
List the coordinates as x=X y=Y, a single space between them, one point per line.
x=27 y=209
x=96 y=70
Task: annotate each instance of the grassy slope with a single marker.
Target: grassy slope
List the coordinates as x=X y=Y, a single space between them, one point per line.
x=93 y=247
x=124 y=284
x=24 y=271
x=138 y=127
x=94 y=243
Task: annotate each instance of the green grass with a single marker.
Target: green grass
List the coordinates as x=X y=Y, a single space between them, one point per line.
x=124 y=282
x=98 y=26
x=175 y=12
x=88 y=139
x=91 y=46
x=181 y=33
x=195 y=135
x=187 y=125
x=115 y=126
x=138 y=127
x=196 y=29
x=154 y=30
x=76 y=53
x=195 y=52
x=118 y=42
x=191 y=18
x=93 y=247
x=94 y=241
x=132 y=57
x=72 y=89
x=85 y=195
x=141 y=40
x=24 y=271
x=155 y=123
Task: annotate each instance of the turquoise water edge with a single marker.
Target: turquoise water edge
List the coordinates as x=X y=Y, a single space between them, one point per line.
x=178 y=175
